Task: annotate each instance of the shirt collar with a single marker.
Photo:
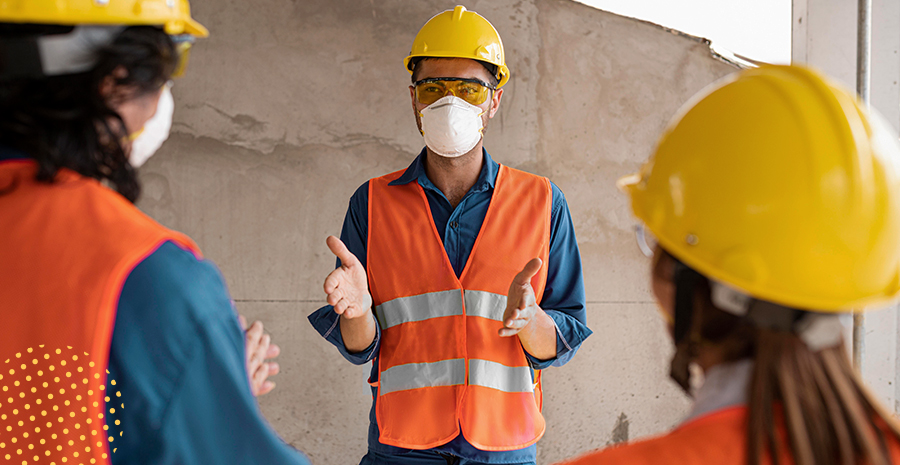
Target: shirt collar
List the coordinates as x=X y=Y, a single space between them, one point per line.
x=416 y=172
x=725 y=385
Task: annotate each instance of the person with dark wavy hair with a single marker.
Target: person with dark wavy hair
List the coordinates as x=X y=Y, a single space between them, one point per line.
x=774 y=201
x=125 y=343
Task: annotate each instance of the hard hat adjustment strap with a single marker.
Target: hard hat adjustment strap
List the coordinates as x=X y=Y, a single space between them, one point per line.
x=817 y=330
x=768 y=315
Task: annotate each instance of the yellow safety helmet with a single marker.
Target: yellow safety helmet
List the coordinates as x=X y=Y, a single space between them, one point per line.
x=96 y=22
x=779 y=183
x=458 y=33
x=173 y=15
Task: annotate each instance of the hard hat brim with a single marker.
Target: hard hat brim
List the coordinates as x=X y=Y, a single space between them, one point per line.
x=195 y=29
x=502 y=69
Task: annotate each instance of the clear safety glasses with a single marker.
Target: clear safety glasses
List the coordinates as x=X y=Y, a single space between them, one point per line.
x=646 y=241
x=183 y=44
x=431 y=90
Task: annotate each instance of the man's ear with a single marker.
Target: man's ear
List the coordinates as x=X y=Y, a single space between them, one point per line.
x=495 y=102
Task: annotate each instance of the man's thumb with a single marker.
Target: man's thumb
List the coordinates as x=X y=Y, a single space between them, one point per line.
x=531 y=269
x=341 y=251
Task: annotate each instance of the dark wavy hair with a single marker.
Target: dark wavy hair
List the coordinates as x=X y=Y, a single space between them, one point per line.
x=828 y=413
x=64 y=122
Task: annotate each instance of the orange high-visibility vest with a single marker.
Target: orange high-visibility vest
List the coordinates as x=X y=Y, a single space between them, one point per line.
x=716 y=438
x=443 y=369
x=65 y=251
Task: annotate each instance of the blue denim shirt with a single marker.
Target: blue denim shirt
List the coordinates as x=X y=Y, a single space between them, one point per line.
x=563 y=298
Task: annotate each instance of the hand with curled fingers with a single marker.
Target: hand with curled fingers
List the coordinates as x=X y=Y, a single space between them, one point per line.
x=521 y=306
x=259 y=349
x=347 y=287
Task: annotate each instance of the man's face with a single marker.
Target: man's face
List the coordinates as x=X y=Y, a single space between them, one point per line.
x=455 y=68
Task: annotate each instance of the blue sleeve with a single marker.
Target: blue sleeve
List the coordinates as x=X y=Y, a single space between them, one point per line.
x=563 y=298
x=354 y=235
x=177 y=371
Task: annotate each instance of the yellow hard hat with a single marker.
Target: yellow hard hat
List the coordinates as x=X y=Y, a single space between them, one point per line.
x=779 y=183
x=173 y=15
x=458 y=33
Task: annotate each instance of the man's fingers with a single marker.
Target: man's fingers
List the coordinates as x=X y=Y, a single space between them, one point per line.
x=254 y=333
x=341 y=306
x=515 y=315
x=255 y=330
x=266 y=388
x=264 y=345
x=335 y=296
x=259 y=376
x=527 y=300
x=242 y=321
x=341 y=251
x=274 y=368
x=273 y=351
x=507 y=332
x=518 y=323
x=531 y=269
x=259 y=352
x=333 y=280
x=354 y=311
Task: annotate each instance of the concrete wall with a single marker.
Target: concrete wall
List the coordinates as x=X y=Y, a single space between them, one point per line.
x=291 y=105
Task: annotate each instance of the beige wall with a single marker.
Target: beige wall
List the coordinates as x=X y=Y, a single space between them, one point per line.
x=291 y=105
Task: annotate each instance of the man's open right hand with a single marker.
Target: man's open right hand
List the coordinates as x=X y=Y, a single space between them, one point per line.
x=347 y=287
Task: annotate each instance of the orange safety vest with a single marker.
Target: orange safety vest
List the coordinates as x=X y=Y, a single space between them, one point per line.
x=442 y=366
x=716 y=438
x=65 y=251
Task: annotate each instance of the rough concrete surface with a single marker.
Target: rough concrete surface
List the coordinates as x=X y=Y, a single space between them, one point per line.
x=290 y=105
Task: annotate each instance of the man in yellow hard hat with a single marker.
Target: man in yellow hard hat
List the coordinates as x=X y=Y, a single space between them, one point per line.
x=120 y=342
x=458 y=277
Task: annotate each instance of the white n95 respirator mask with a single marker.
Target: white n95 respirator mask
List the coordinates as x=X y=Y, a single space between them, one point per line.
x=451 y=126
x=155 y=132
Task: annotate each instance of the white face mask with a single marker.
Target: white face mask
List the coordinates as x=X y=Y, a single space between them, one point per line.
x=451 y=126
x=155 y=132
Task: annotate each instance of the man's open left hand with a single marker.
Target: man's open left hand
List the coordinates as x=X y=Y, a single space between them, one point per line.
x=520 y=301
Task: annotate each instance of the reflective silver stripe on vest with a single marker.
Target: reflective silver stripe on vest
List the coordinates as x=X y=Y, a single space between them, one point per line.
x=419 y=308
x=485 y=304
x=500 y=377
x=419 y=375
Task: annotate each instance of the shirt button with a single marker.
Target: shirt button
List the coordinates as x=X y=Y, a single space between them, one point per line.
x=454 y=224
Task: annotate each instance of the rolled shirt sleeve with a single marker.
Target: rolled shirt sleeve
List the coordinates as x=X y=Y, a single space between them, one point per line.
x=353 y=234
x=564 y=299
x=327 y=323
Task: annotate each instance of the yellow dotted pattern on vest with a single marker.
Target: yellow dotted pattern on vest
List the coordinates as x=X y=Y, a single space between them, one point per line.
x=42 y=391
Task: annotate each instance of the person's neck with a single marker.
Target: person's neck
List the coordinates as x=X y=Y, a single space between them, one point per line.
x=454 y=176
